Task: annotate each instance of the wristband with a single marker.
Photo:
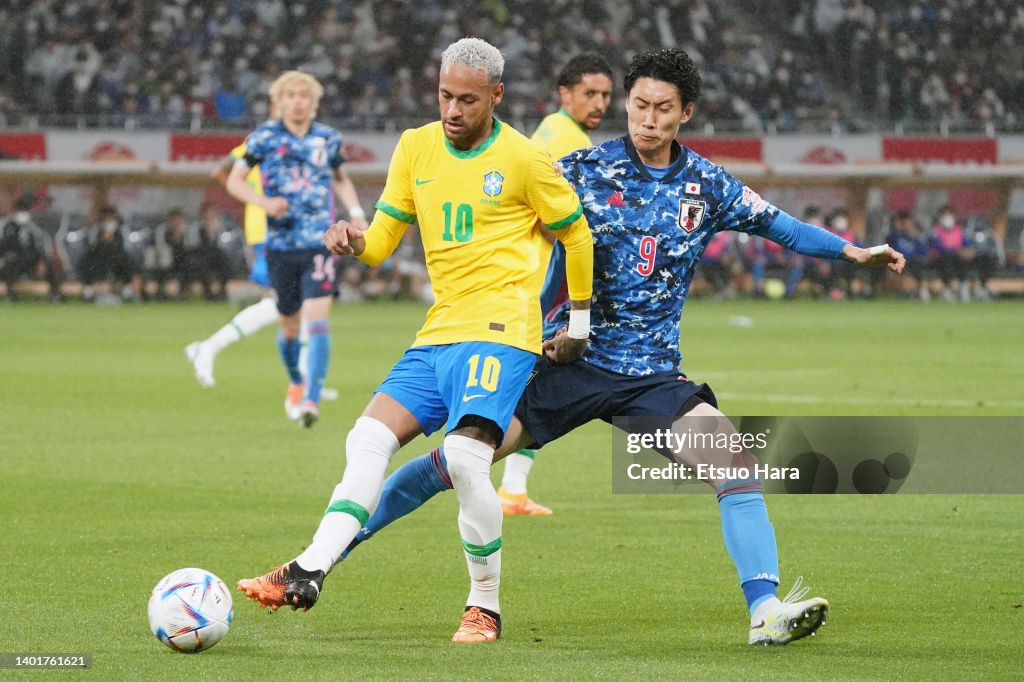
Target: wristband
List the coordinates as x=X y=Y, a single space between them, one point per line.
x=879 y=250
x=579 y=324
x=356 y=212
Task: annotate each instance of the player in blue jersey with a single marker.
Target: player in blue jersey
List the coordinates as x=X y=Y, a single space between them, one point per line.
x=653 y=207
x=301 y=167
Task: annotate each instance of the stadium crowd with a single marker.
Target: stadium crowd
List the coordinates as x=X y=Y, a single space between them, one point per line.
x=796 y=64
x=110 y=259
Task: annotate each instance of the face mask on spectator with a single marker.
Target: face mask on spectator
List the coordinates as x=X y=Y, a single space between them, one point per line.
x=22 y=217
x=839 y=223
x=109 y=225
x=947 y=221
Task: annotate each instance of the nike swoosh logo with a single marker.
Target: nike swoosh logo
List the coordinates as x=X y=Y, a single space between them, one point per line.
x=467 y=398
x=423 y=182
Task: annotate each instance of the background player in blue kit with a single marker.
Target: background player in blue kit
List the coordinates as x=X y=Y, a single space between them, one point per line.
x=301 y=166
x=653 y=207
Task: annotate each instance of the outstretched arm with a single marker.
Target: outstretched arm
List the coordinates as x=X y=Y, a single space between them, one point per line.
x=811 y=240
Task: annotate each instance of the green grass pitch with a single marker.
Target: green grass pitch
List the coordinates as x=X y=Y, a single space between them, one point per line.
x=116 y=468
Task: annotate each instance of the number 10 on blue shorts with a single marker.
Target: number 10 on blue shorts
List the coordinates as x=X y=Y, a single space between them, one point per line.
x=440 y=384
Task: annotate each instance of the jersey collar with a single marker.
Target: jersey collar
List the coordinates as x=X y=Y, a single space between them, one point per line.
x=678 y=151
x=576 y=123
x=480 y=148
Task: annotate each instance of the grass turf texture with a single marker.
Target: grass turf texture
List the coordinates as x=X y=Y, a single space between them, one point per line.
x=117 y=468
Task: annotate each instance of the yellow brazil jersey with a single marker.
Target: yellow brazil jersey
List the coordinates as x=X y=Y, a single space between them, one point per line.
x=477 y=213
x=255 y=217
x=559 y=134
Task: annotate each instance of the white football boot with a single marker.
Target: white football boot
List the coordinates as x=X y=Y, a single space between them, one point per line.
x=781 y=622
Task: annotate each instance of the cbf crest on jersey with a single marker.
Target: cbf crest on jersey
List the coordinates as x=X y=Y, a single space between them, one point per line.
x=492 y=183
x=691 y=214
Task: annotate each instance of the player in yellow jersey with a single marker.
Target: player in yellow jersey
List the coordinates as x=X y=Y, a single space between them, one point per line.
x=256 y=316
x=585 y=91
x=477 y=188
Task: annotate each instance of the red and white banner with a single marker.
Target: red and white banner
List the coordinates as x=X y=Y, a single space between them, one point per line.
x=105 y=146
x=30 y=146
x=376 y=148
x=940 y=149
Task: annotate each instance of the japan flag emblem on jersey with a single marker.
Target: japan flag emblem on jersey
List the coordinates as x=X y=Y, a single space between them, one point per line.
x=692 y=188
x=691 y=214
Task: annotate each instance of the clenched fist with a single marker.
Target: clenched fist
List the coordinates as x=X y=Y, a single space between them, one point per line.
x=344 y=239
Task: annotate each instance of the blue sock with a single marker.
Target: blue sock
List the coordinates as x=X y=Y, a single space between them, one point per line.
x=319 y=355
x=406 y=490
x=290 y=356
x=750 y=539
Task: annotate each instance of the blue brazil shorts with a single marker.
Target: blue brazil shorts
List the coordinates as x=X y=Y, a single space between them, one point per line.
x=440 y=384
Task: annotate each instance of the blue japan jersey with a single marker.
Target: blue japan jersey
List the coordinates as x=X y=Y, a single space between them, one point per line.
x=301 y=171
x=648 y=238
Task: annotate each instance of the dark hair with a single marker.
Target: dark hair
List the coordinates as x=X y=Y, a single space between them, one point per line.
x=903 y=215
x=672 y=66
x=580 y=65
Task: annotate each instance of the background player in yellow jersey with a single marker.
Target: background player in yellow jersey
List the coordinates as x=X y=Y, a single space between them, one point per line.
x=585 y=91
x=477 y=188
x=258 y=315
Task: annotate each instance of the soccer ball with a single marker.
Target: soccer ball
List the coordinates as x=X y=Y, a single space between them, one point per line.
x=190 y=610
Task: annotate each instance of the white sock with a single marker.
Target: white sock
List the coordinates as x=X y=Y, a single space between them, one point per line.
x=368 y=450
x=517 y=468
x=303 y=349
x=245 y=323
x=469 y=464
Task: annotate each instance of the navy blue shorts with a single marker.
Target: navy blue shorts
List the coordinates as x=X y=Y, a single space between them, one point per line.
x=560 y=398
x=298 y=275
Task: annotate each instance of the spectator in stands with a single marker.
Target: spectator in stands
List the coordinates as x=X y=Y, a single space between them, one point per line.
x=907 y=238
x=717 y=265
x=950 y=253
x=228 y=101
x=26 y=250
x=167 y=258
x=208 y=264
x=986 y=256
x=844 y=280
x=77 y=91
x=106 y=263
x=770 y=262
